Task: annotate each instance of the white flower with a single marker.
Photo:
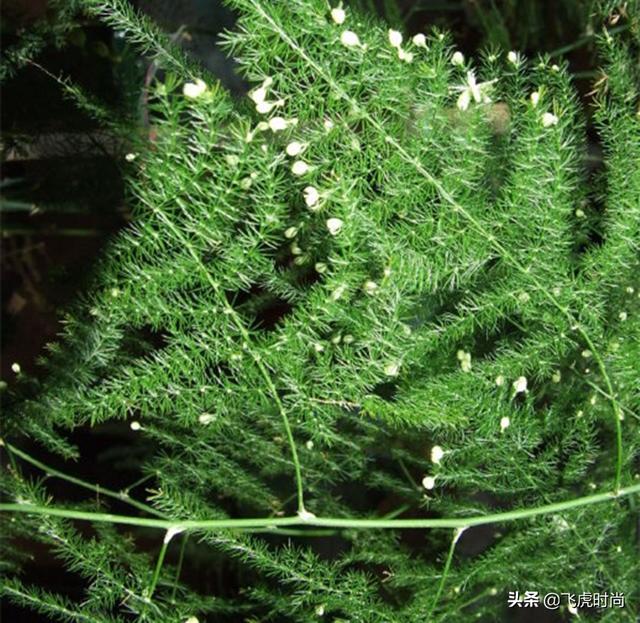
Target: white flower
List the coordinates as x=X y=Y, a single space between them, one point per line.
x=338 y=15
x=535 y=98
x=349 y=39
x=472 y=90
x=259 y=95
x=392 y=369
x=265 y=107
x=334 y=225
x=520 y=385
x=311 y=196
x=465 y=360
x=420 y=40
x=320 y=610
x=457 y=59
x=549 y=119
x=622 y=315
x=407 y=57
x=338 y=292
x=556 y=377
x=370 y=287
x=277 y=124
x=294 y=148
x=505 y=422
x=395 y=38
x=299 y=167
x=194 y=89
x=429 y=482
x=290 y=232
x=309 y=444
x=436 y=454
x=513 y=57
x=130 y=157
x=192 y=620
x=135 y=425
x=206 y=418
x=15 y=368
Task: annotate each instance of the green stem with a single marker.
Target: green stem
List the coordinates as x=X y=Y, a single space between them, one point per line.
x=325 y=522
x=179 y=568
x=50 y=471
x=156 y=573
x=445 y=572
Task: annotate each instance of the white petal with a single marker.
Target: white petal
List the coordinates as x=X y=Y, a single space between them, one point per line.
x=349 y=39
x=194 y=89
x=457 y=58
x=299 y=167
x=395 y=38
x=420 y=40
x=464 y=100
x=338 y=15
x=277 y=124
x=334 y=225
x=311 y=196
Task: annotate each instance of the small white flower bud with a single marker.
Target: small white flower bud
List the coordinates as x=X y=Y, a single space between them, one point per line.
x=407 y=57
x=309 y=444
x=535 y=98
x=395 y=38
x=392 y=369
x=294 y=148
x=192 y=620
x=436 y=454
x=135 y=425
x=206 y=418
x=130 y=157
x=513 y=57
x=420 y=40
x=505 y=422
x=320 y=610
x=311 y=196
x=259 y=95
x=622 y=315
x=290 y=232
x=370 y=287
x=457 y=59
x=320 y=267
x=299 y=167
x=429 y=482
x=549 y=119
x=500 y=380
x=15 y=368
x=338 y=15
x=334 y=225
x=277 y=124
x=464 y=99
x=349 y=39
x=194 y=89
x=520 y=385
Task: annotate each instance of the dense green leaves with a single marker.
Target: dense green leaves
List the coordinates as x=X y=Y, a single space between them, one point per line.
x=384 y=273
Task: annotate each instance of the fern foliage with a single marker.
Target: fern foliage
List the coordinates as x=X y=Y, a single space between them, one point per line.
x=381 y=286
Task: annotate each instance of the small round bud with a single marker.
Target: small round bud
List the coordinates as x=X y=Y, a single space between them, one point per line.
x=429 y=482
x=395 y=38
x=299 y=167
x=420 y=40
x=392 y=369
x=436 y=454
x=338 y=15
x=294 y=148
x=334 y=225
x=457 y=59
x=549 y=119
x=349 y=39
x=520 y=385
x=195 y=89
x=135 y=425
x=505 y=422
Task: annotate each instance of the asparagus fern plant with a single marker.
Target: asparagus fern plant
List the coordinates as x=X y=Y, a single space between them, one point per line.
x=369 y=308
